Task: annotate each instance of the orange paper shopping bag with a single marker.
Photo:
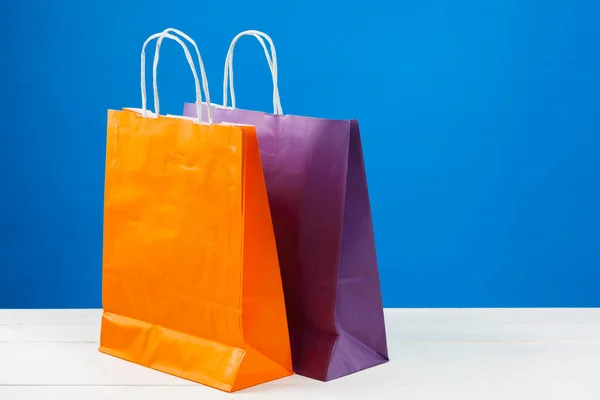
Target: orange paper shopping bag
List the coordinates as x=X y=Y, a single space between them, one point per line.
x=190 y=281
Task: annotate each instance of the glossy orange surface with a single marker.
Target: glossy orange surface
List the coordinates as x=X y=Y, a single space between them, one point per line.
x=191 y=283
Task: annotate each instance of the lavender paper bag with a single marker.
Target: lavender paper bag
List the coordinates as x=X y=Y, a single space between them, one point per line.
x=317 y=189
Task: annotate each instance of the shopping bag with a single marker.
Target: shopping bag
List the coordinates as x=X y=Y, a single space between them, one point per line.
x=191 y=283
x=317 y=189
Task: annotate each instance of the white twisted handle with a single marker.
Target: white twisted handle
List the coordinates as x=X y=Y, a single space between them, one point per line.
x=161 y=36
x=271 y=59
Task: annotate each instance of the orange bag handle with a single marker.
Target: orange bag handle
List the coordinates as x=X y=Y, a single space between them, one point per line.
x=161 y=36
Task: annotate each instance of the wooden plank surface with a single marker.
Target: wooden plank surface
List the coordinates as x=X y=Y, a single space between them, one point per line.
x=436 y=354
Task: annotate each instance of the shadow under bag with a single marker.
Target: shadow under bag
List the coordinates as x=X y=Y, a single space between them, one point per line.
x=319 y=201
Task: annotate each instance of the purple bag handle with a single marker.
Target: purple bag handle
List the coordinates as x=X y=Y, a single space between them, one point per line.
x=271 y=59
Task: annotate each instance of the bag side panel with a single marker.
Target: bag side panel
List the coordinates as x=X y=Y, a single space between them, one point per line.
x=359 y=308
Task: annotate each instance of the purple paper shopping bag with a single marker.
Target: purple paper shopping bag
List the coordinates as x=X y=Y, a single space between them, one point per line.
x=317 y=189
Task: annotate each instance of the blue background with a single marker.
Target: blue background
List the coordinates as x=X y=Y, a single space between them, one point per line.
x=480 y=123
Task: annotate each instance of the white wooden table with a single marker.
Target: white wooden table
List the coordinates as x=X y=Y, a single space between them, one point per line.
x=483 y=354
